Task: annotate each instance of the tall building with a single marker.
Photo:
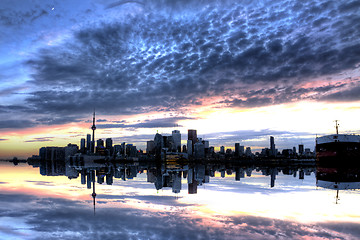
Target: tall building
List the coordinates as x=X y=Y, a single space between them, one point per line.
x=237 y=149
x=272 y=147
x=70 y=149
x=177 y=140
x=248 y=151
x=301 y=149
x=88 y=142
x=100 y=143
x=189 y=147
x=192 y=135
x=82 y=145
x=199 y=150
x=150 y=146
x=242 y=150
x=158 y=144
x=222 y=149
x=108 y=143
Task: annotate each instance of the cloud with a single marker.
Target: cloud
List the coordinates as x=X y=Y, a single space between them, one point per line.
x=169 y=60
x=71 y=219
x=56 y=120
x=16 y=124
x=347 y=95
x=150 y=123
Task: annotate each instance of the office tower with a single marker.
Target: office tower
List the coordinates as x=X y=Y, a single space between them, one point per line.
x=301 y=149
x=150 y=146
x=211 y=150
x=123 y=148
x=70 y=149
x=248 y=152
x=294 y=151
x=222 y=150
x=93 y=127
x=189 y=147
x=100 y=143
x=237 y=149
x=184 y=150
x=88 y=142
x=192 y=135
x=108 y=143
x=158 y=144
x=169 y=143
x=82 y=145
x=199 y=150
x=177 y=140
x=272 y=146
x=206 y=144
x=117 y=149
x=242 y=151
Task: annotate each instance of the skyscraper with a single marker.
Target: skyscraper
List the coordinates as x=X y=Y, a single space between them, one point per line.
x=150 y=146
x=272 y=147
x=108 y=143
x=88 y=142
x=301 y=149
x=189 y=147
x=82 y=145
x=192 y=135
x=177 y=140
x=237 y=149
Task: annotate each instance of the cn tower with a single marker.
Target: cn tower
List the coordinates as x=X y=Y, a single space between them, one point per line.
x=93 y=127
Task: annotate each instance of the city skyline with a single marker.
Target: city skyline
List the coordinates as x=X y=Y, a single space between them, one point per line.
x=235 y=71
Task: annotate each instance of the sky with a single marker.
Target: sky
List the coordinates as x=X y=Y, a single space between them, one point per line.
x=237 y=71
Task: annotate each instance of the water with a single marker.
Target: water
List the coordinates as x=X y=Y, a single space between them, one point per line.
x=54 y=200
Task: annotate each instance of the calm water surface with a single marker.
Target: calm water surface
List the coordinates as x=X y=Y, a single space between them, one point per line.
x=55 y=200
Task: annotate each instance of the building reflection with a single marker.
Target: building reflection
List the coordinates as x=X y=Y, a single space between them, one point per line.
x=173 y=175
x=338 y=177
x=162 y=174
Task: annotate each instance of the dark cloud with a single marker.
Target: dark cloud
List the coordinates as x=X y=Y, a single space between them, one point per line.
x=347 y=95
x=40 y=139
x=56 y=120
x=16 y=124
x=172 y=59
x=151 y=123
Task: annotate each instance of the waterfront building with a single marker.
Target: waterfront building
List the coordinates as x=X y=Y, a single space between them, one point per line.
x=82 y=145
x=272 y=147
x=88 y=142
x=150 y=146
x=301 y=149
x=222 y=150
x=199 y=150
x=192 y=135
x=177 y=140
x=189 y=147
x=108 y=143
x=237 y=149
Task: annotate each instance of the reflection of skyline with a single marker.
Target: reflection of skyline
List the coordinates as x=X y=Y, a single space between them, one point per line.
x=222 y=207
x=162 y=174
